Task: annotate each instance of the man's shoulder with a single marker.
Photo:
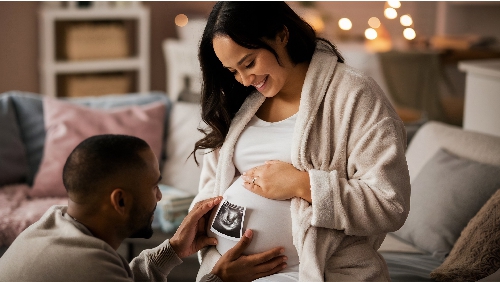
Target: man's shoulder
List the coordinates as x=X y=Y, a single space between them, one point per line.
x=55 y=247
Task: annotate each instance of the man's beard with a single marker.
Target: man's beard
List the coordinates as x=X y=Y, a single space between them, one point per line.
x=147 y=230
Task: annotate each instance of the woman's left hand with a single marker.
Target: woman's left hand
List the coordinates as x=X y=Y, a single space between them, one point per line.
x=278 y=180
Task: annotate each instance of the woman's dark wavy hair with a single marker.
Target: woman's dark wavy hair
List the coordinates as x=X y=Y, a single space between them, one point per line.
x=247 y=24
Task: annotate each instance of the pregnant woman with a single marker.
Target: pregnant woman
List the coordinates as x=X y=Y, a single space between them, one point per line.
x=306 y=151
x=269 y=220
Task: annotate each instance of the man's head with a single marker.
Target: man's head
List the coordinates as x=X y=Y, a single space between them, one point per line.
x=114 y=178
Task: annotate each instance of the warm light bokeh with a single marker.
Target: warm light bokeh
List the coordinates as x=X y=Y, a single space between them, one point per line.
x=314 y=19
x=409 y=33
x=181 y=20
x=390 y=13
x=370 y=33
x=345 y=24
x=406 y=20
x=374 y=22
x=394 y=4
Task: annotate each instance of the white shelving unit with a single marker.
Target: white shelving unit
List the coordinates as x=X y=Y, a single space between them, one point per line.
x=482 y=95
x=50 y=67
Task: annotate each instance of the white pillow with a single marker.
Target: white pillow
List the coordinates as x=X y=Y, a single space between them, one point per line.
x=179 y=171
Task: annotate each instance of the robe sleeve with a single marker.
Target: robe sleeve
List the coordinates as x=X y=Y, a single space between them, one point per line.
x=206 y=188
x=374 y=197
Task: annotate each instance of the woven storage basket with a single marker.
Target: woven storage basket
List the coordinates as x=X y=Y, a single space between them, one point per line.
x=96 y=85
x=96 y=41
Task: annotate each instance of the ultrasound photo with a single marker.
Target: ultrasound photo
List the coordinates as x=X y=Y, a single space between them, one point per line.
x=228 y=222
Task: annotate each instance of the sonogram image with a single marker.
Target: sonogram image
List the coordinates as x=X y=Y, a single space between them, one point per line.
x=229 y=221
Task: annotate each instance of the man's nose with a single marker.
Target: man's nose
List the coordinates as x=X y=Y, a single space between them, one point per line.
x=158 y=195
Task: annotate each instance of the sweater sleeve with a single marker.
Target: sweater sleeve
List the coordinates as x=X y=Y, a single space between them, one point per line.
x=155 y=264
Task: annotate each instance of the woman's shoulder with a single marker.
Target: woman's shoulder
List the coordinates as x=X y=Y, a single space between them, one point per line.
x=355 y=89
x=348 y=73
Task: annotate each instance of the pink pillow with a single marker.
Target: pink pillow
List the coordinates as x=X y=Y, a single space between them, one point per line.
x=68 y=124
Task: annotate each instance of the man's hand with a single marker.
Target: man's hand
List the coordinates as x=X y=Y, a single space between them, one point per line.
x=191 y=236
x=233 y=266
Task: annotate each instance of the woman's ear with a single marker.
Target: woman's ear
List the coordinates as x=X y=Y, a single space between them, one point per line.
x=283 y=36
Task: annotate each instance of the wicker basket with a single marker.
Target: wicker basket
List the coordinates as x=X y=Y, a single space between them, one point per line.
x=85 y=41
x=96 y=85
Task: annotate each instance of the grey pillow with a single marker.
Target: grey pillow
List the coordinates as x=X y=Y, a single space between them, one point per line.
x=29 y=107
x=13 y=163
x=445 y=196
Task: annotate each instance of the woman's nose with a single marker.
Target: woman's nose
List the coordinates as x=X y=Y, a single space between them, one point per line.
x=247 y=79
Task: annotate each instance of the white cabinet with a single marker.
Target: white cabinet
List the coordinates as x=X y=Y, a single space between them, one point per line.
x=53 y=67
x=482 y=96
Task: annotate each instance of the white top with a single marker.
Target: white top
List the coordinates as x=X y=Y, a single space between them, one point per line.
x=270 y=220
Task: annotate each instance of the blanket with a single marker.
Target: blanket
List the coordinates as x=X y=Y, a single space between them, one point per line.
x=17 y=211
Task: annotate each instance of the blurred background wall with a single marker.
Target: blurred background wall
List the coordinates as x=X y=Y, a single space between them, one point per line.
x=19 y=29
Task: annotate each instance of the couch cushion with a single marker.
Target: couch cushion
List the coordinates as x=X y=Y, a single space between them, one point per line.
x=180 y=170
x=446 y=194
x=68 y=124
x=433 y=136
x=476 y=253
x=405 y=267
x=29 y=108
x=13 y=163
x=115 y=101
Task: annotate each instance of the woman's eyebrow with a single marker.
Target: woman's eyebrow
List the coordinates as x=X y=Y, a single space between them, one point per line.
x=240 y=61
x=244 y=58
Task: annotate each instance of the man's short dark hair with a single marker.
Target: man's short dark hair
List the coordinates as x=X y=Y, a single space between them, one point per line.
x=99 y=157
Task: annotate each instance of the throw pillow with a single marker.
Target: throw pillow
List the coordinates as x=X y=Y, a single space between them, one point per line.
x=476 y=253
x=445 y=196
x=119 y=100
x=29 y=108
x=68 y=124
x=13 y=163
x=180 y=170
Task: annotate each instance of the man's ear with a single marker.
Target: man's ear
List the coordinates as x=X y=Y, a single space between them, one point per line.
x=121 y=201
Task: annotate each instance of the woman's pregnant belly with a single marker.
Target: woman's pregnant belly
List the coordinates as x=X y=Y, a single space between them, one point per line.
x=270 y=221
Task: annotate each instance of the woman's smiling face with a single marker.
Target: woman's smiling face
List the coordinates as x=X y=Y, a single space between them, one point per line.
x=255 y=67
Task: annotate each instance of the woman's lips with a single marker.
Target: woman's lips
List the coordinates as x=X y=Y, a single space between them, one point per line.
x=260 y=84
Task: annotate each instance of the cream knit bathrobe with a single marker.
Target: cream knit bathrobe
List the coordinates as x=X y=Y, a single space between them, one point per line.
x=352 y=143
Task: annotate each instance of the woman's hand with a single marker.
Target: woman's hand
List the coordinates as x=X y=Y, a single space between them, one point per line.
x=278 y=180
x=191 y=235
x=234 y=266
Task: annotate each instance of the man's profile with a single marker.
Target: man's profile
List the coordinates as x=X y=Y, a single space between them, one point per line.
x=112 y=184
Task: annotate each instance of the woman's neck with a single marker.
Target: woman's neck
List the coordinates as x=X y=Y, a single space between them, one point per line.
x=286 y=103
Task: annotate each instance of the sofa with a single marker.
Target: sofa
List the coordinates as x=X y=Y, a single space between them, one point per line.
x=452 y=232
x=453 y=175
x=37 y=133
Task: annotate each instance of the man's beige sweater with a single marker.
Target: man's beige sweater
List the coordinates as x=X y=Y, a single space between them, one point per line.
x=58 y=248
x=352 y=143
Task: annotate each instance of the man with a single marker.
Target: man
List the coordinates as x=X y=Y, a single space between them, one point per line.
x=112 y=184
